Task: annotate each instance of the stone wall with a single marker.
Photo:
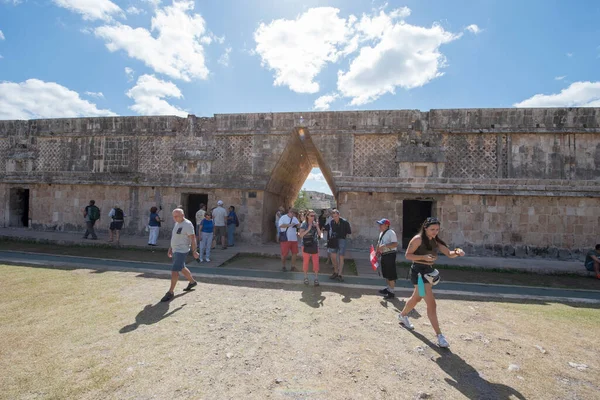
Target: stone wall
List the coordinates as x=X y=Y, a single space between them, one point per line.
x=490 y=225
x=60 y=207
x=370 y=159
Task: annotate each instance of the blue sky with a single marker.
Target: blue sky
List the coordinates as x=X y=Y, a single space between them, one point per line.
x=63 y=58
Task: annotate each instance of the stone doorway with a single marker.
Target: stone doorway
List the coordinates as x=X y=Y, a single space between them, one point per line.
x=414 y=212
x=191 y=204
x=19 y=207
x=299 y=157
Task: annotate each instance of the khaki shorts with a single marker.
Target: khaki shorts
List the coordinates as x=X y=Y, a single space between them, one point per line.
x=220 y=231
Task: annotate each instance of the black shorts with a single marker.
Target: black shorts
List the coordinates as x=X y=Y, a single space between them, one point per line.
x=388 y=266
x=417 y=269
x=116 y=225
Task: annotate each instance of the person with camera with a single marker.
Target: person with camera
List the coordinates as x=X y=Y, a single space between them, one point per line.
x=310 y=232
x=288 y=237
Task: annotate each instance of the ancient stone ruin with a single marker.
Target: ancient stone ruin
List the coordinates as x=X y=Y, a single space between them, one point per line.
x=503 y=181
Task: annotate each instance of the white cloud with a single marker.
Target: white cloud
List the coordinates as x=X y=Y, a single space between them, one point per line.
x=92 y=9
x=474 y=29
x=224 y=59
x=391 y=52
x=559 y=78
x=38 y=99
x=148 y=95
x=2 y=36
x=315 y=177
x=323 y=102
x=569 y=55
x=176 y=50
x=297 y=50
x=135 y=11
x=153 y=3
x=98 y=95
x=578 y=94
x=403 y=55
x=129 y=72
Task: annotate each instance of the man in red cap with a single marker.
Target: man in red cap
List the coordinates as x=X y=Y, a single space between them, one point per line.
x=386 y=252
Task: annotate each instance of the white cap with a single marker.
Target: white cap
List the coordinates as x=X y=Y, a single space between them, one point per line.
x=220 y=202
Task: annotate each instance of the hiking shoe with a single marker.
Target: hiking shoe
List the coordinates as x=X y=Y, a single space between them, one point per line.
x=207 y=259
x=306 y=281
x=442 y=342
x=317 y=282
x=384 y=291
x=190 y=286
x=389 y=295
x=333 y=276
x=169 y=296
x=294 y=269
x=406 y=322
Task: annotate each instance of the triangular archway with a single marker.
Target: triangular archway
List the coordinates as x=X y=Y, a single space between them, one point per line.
x=296 y=162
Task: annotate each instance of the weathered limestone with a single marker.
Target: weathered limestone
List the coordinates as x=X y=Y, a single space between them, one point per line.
x=504 y=181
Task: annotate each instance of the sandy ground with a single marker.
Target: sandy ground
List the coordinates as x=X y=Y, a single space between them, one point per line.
x=88 y=335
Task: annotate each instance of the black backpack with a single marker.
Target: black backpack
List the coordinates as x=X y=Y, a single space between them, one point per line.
x=118 y=214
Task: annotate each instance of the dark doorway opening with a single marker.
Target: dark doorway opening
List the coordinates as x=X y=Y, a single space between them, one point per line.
x=191 y=204
x=414 y=212
x=19 y=207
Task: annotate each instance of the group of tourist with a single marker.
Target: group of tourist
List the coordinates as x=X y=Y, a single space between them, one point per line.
x=299 y=232
x=303 y=230
x=213 y=225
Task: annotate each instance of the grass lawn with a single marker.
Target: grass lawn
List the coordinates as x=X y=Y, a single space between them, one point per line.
x=82 y=334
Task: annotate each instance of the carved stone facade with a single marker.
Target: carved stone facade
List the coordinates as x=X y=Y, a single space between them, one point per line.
x=504 y=181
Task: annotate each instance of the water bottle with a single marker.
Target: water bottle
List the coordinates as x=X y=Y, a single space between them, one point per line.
x=421 y=286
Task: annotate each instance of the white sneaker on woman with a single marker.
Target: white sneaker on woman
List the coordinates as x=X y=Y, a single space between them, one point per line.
x=405 y=321
x=442 y=342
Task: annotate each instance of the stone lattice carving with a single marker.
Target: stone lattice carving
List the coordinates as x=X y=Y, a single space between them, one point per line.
x=117 y=154
x=156 y=155
x=374 y=155
x=50 y=155
x=3 y=152
x=471 y=156
x=233 y=154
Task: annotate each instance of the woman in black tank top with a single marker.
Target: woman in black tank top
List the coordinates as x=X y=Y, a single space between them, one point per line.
x=422 y=251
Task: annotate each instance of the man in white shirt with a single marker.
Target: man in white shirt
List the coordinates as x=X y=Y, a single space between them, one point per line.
x=288 y=240
x=220 y=218
x=182 y=240
x=386 y=251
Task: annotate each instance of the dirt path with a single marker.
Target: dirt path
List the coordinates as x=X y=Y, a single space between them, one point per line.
x=87 y=335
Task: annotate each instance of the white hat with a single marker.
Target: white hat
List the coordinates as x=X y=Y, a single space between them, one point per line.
x=220 y=202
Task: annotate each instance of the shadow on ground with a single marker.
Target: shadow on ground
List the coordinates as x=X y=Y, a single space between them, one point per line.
x=151 y=314
x=465 y=378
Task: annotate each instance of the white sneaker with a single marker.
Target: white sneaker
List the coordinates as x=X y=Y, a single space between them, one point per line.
x=405 y=321
x=208 y=260
x=442 y=342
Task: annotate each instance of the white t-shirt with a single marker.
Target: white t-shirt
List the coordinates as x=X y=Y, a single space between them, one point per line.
x=292 y=234
x=200 y=215
x=389 y=237
x=219 y=216
x=180 y=240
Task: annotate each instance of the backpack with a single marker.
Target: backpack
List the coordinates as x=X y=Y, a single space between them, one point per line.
x=93 y=213
x=118 y=214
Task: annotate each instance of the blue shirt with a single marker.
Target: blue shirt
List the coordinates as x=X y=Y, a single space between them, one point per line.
x=153 y=221
x=207 y=225
x=231 y=218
